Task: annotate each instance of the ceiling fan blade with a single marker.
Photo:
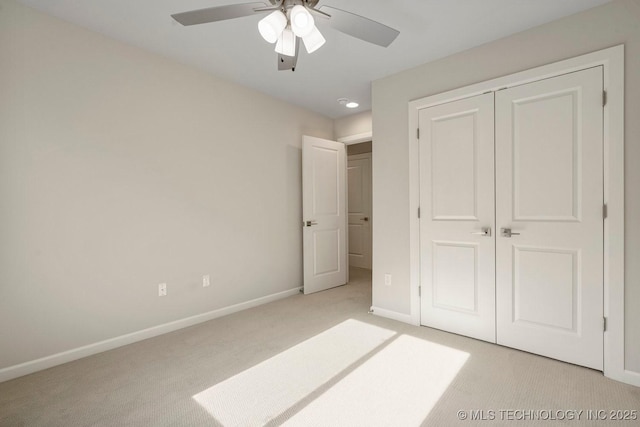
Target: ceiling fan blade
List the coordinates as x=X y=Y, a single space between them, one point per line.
x=360 y=27
x=218 y=13
x=288 y=62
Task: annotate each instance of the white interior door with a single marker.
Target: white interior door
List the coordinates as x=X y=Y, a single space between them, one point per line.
x=549 y=191
x=457 y=242
x=324 y=210
x=359 y=198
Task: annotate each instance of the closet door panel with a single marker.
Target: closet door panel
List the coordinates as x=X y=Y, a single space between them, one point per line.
x=549 y=194
x=457 y=244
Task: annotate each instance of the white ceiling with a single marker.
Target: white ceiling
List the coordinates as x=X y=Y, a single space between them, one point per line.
x=343 y=68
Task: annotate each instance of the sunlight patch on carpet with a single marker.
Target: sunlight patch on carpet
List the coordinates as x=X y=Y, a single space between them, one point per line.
x=396 y=387
x=264 y=391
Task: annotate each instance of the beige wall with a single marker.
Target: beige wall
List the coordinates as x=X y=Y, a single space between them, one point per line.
x=355 y=124
x=599 y=28
x=120 y=169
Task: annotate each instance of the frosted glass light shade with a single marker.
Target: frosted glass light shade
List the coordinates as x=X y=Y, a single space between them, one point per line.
x=286 y=44
x=313 y=41
x=272 y=25
x=302 y=23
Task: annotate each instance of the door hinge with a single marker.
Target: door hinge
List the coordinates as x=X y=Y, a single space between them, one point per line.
x=418 y=212
x=605 y=211
x=604 y=98
x=419 y=291
x=604 y=324
x=418 y=133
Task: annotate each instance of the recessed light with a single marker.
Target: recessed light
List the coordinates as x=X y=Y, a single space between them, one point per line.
x=347 y=103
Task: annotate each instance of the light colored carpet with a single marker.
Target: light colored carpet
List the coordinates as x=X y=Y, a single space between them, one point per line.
x=313 y=360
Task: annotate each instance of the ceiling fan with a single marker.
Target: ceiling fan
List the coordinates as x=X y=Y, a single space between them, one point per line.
x=290 y=20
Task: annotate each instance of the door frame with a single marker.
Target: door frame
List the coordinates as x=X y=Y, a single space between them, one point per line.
x=612 y=61
x=356 y=139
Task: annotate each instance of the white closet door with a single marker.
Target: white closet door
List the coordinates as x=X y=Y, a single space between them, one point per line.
x=549 y=192
x=457 y=203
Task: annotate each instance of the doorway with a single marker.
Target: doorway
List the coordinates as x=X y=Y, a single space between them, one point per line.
x=336 y=231
x=359 y=193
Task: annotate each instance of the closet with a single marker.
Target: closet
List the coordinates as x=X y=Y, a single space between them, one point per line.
x=511 y=223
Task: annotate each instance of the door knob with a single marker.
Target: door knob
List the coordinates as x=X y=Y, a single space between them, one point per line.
x=366 y=218
x=486 y=231
x=506 y=232
x=310 y=223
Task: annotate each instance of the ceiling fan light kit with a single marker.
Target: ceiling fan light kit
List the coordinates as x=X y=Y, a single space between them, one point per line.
x=313 y=41
x=302 y=23
x=290 y=19
x=299 y=23
x=271 y=26
x=286 y=44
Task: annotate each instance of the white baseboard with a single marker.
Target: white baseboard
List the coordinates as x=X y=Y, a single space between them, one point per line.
x=632 y=377
x=625 y=376
x=32 y=366
x=401 y=317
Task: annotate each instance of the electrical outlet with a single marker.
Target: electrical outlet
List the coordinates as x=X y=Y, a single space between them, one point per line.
x=387 y=279
x=162 y=290
x=206 y=280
